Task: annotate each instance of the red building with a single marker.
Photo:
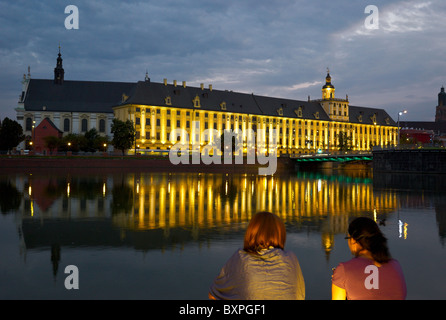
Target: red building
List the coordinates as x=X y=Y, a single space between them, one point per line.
x=417 y=135
x=44 y=129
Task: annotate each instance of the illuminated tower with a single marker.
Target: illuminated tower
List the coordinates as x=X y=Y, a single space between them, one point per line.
x=337 y=109
x=328 y=90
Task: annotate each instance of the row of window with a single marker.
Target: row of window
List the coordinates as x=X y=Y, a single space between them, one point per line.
x=67 y=125
x=371 y=129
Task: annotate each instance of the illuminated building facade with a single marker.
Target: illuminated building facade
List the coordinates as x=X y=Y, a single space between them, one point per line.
x=310 y=126
x=157 y=109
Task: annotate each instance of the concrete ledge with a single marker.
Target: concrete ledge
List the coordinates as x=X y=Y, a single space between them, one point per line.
x=140 y=163
x=411 y=160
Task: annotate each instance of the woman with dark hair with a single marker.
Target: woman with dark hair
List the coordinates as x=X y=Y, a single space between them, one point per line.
x=372 y=274
x=262 y=270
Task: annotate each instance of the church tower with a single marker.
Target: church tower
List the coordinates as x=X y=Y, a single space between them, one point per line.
x=328 y=90
x=440 y=112
x=58 y=70
x=337 y=109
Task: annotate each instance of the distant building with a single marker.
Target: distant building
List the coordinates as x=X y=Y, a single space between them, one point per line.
x=417 y=136
x=157 y=109
x=440 y=111
x=420 y=130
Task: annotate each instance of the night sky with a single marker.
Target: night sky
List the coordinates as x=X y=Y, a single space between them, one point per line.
x=275 y=48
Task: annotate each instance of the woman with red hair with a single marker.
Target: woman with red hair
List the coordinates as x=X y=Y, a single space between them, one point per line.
x=262 y=270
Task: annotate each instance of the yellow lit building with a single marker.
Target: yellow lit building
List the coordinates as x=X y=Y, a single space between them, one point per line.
x=310 y=126
x=157 y=109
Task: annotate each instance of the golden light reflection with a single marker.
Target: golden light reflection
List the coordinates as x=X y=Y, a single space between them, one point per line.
x=193 y=201
x=32 y=208
x=402 y=229
x=209 y=200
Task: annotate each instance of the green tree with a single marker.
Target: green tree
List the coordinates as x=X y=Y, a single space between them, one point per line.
x=344 y=141
x=71 y=142
x=407 y=139
x=52 y=142
x=11 y=134
x=89 y=143
x=123 y=134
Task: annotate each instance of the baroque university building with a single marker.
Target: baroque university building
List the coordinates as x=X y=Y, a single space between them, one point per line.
x=157 y=109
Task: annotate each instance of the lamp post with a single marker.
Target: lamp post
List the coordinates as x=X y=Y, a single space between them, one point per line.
x=399 y=114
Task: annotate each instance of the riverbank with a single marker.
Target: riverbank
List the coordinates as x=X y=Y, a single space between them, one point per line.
x=126 y=163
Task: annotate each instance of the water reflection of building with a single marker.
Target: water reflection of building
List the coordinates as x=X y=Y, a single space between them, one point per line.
x=187 y=206
x=209 y=200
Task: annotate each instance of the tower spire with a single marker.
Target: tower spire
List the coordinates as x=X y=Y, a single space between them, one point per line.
x=328 y=89
x=147 y=76
x=58 y=70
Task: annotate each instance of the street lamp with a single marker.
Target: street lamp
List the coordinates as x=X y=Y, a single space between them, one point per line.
x=399 y=114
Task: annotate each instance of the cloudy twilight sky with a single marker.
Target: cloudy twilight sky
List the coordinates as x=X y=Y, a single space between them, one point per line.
x=277 y=48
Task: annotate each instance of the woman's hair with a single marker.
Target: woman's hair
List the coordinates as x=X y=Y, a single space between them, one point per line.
x=366 y=232
x=264 y=230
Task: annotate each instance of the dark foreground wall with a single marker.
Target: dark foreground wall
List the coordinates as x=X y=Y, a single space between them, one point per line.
x=417 y=161
x=128 y=163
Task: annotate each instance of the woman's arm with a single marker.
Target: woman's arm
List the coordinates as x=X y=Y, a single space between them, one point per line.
x=338 y=293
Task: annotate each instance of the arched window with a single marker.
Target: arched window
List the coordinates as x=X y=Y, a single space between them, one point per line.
x=101 y=125
x=66 y=125
x=84 y=125
x=29 y=124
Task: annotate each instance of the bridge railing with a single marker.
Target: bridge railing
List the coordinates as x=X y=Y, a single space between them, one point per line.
x=331 y=153
x=334 y=156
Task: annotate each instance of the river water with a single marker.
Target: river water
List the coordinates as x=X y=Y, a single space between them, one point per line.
x=151 y=235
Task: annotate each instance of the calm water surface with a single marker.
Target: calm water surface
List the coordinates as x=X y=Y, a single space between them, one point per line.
x=142 y=235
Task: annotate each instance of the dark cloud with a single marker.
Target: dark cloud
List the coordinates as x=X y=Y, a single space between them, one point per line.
x=279 y=48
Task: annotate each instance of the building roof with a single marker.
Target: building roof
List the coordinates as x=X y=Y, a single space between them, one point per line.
x=75 y=96
x=439 y=127
x=366 y=115
x=102 y=97
x=150 y=93
x=51 y=123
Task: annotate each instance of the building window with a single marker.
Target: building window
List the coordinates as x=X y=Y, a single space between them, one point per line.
x=66 y=125
x=196 y=101
x=29 y=124
x=84 y=126
x=101 y=125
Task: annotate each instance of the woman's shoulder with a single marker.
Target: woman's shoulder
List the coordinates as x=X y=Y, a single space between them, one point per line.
x=395 y=264
x=354 y=262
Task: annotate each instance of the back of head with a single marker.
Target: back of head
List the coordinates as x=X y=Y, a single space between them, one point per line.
x=367 y=233
x=264 y=230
